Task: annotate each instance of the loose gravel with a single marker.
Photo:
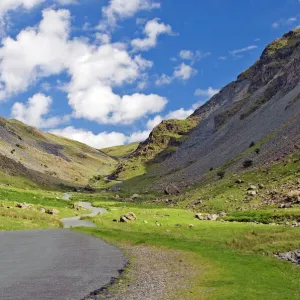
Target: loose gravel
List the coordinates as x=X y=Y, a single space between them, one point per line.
x=153 y=273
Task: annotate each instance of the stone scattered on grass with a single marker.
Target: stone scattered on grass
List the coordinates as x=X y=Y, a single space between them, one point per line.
x=207 y=217
x=252 y=188
x=292 y=256
x=135 y=197
x=52 y=211
x=191 y=225
x=42 y=209
x=171 y=189
x=128 y=217
x=239 y=181
x=252 y=193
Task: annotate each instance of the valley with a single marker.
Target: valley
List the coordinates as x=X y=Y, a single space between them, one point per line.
x=213 y=200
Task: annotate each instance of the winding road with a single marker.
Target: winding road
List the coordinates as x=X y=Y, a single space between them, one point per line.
x=56 y=264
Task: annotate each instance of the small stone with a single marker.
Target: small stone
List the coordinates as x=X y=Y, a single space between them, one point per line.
x=252 y=187
x=145 y=221
x=42 y=209
x=191 y=225
x=252 y=193
x=123 y=219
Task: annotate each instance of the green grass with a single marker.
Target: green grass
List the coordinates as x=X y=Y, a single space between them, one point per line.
x=119 y=151
x=236 y=259
x=16 y=219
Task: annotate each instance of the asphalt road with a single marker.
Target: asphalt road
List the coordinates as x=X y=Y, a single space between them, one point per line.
x=55 y=265
x=77 y=222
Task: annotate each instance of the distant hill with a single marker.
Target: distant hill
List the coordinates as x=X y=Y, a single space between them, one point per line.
x=46 y=158
x=163 y=141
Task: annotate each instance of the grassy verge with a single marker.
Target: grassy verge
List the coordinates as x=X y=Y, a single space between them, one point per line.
x=237 y=259
x=14 y=218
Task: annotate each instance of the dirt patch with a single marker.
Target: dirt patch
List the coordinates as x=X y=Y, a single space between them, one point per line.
x=153 y=273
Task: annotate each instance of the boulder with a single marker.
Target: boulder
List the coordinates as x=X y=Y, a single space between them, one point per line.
x=200 y=216
x=171 y=189
x=252 y=188
x=261 y=186
x=252 y=193
x=239 y=181
x=123 y=219
x=52 y=211
x=128 y=217
x=135 y=196
x=42 y=209
x=212 y=217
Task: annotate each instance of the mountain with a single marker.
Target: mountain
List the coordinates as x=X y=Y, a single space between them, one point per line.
x=255 y=118
x=46 y=158
x=162 y=142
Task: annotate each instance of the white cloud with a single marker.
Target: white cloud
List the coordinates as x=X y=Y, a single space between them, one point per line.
x=99 y=103
x=179 y=114
x=153 y=29
x=138 y=136
x=208 y=93
x=7 y=5
x=34 y=111
x=120 y=9
x=154 y=122
x=164 y=80
x=101 y=140
x=193 y=56
x=238 y=51
x=186 y=54
x=35 y=53
x=94 y=70
x=182 y=72
x=222 y=57
x=284 y=22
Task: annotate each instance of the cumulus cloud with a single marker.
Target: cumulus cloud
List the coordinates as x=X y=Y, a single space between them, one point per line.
x=153 y=29
x=182 y=72
x=208 y=93
x=120 y=9
x=93 y=69
x=179 y=114
x=35 y=53
x=7 y=5
x=99 y=103
x=101 y=140
x=192 y=56
x=34 y=111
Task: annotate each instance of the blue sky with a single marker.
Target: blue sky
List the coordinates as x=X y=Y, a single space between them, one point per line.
x=106 y=72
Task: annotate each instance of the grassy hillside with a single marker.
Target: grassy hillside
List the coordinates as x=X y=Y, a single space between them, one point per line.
x=48 y=156
x=120 y=151
x=163 y=141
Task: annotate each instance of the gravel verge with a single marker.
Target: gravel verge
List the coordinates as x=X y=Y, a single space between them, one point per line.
x=153 y=273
